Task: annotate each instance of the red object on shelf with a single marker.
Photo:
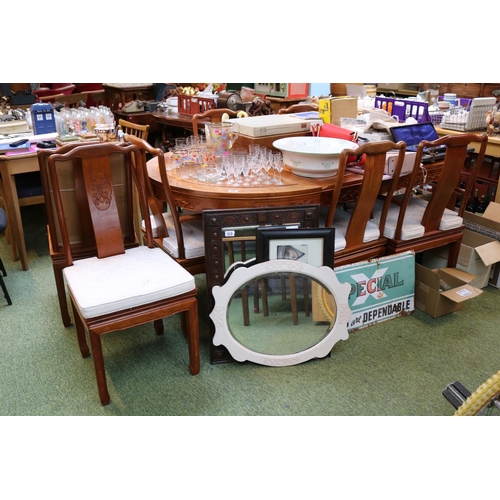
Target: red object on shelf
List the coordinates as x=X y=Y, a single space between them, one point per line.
x=192 y=104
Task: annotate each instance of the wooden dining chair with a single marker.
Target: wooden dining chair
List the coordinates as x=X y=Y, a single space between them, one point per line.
x=96 y=98
x=73 y=100
x=357 y=236
x=179 y=235
x=298 y=108
x=213 y=115
x=119 y=288
x=421 y=223
x=82 y=240
x=136 y=129
x=141 y=131
x=50 y=98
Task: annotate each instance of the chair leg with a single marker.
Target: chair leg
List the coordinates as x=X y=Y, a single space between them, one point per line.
x=100 y=373
x=4 y=289
x=184 y=324
x=193 y=338
x=158 y=326
x=453 y=254
x=307 y=302
x=61 y=295
x=283 y=288
x=293 y=299
x=2 y=268
x=244 y=305
x=80 y=334
x=256 y=307
x=263 y=294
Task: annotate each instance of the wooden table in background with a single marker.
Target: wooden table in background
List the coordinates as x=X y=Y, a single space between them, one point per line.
x=125 y=92
x=10 y=166
x=278 y=103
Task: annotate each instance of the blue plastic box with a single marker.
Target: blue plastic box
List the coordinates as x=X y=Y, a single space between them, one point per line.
x=42 y=118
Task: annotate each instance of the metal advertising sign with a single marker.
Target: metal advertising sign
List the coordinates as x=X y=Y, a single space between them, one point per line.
x=381 y=289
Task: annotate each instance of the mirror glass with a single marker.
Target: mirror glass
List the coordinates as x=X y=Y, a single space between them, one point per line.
x=280 y=313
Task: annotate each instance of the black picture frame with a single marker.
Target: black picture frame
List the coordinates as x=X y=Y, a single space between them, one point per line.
x=307 y=244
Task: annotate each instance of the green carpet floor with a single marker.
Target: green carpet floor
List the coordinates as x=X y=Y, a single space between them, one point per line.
x=398 y=367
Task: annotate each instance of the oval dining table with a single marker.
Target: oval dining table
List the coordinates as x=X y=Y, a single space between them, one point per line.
x=195 y=195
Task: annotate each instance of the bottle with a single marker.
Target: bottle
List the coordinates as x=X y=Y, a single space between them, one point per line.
x=472 y=205
x=481 y=206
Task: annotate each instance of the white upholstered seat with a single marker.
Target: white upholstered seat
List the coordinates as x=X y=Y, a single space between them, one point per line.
x=139 y=276
x=412 y=228
x=341 y=222
x=194 y=241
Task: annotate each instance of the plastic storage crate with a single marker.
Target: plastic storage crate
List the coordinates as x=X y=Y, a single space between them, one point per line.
x=436 y=116
x=471 y=119
x=42 y=118
x=404 y=108
x=192 y=105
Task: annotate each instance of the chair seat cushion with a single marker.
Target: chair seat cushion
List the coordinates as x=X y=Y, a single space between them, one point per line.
x=412 y=228
x=341 y=222
x=139 y=276
x=449 y=220
x=194 y=240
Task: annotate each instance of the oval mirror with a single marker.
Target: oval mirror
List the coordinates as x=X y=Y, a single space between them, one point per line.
x=273 y=313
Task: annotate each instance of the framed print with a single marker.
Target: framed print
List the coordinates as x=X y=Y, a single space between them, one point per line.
x=314 y=246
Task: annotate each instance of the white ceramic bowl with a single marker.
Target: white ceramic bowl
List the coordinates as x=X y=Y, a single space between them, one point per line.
x=312 y=156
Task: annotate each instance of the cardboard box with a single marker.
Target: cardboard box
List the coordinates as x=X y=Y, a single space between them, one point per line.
x=381 y=289
x=333 y=109
x=487 y=223
x=442 y=291
x=478 y=254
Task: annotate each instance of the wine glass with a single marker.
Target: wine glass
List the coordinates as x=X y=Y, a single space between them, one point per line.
x=238 y=162
x=254 y=167
x=267 y=160
x=246 y=170
x=227 y=162
x=279 y=165
x=219 y=168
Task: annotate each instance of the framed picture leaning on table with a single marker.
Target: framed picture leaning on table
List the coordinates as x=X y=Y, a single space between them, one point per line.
x=310 y=245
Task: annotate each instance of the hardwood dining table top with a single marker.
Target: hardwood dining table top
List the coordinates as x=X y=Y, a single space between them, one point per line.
x=196 y=195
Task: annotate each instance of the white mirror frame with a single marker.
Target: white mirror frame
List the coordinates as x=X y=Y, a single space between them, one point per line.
x=324 y=275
